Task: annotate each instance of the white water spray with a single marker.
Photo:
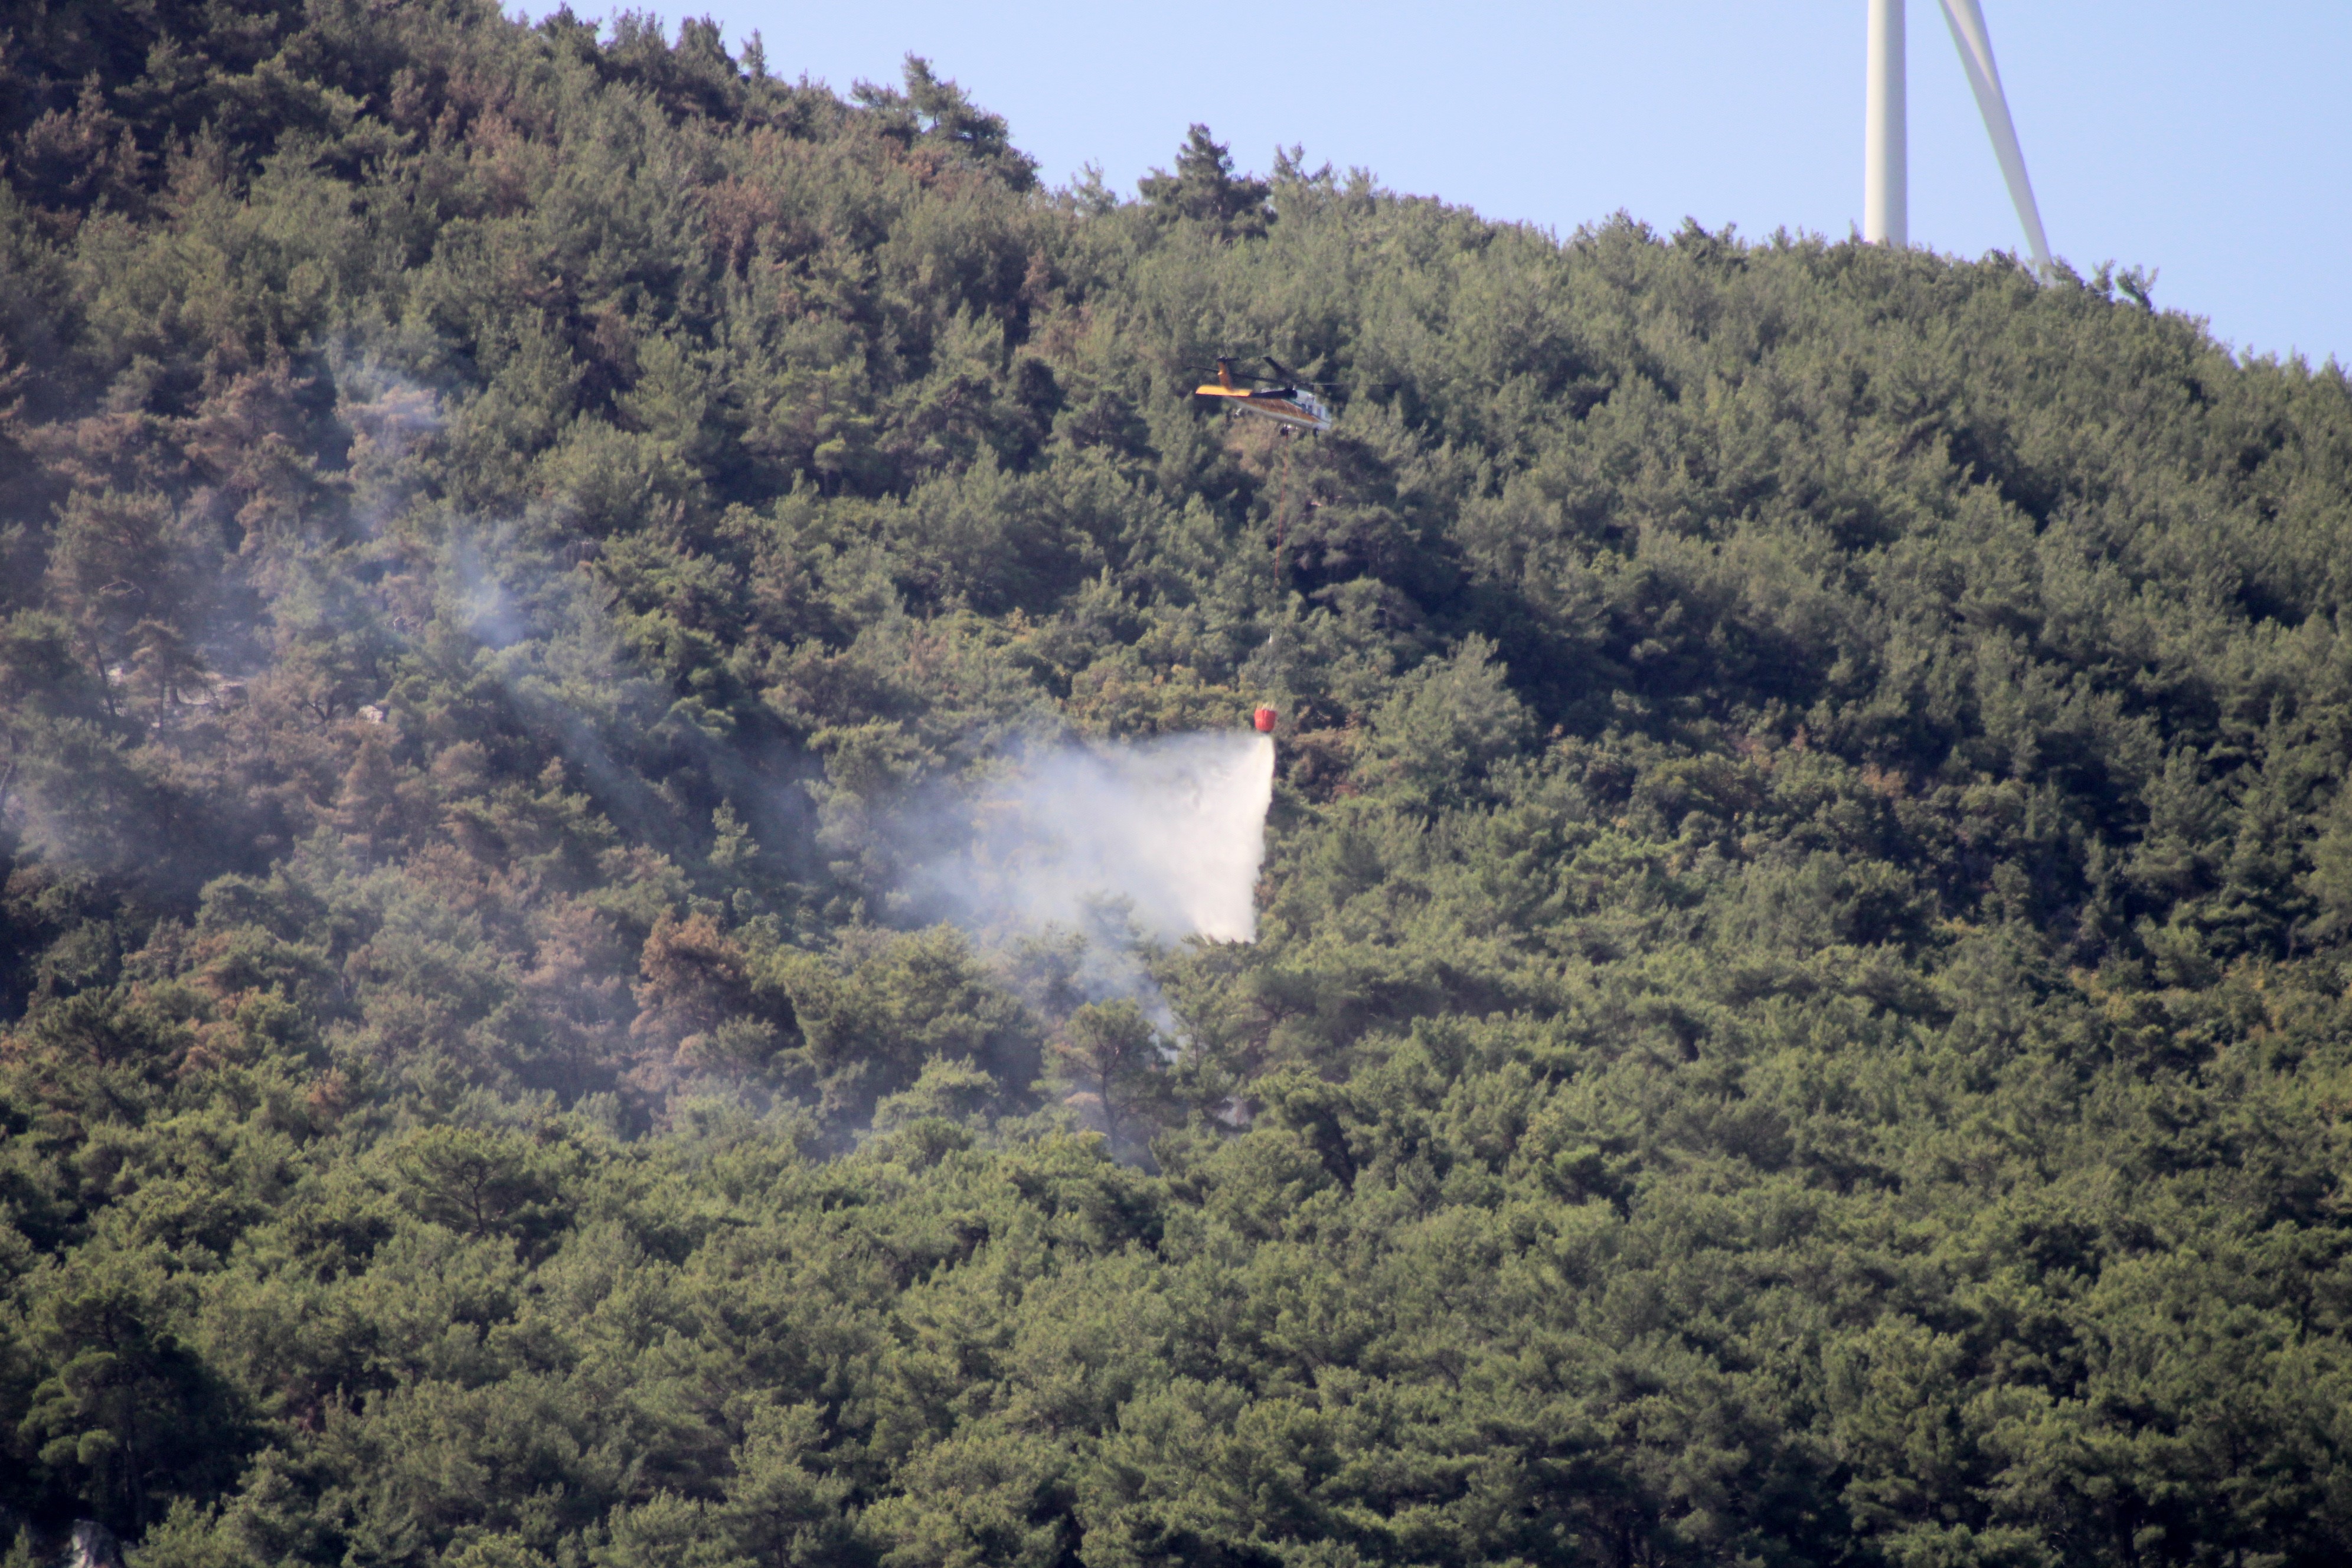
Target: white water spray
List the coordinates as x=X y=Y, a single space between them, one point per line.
x=1173 y=828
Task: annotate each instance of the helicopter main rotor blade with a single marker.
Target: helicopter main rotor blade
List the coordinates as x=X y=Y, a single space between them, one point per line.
x=1289 y=376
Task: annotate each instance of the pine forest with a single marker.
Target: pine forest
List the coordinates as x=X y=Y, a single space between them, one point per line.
x=1801 y=1006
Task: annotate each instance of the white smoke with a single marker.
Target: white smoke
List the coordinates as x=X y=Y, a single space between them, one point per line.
x=1172 y=829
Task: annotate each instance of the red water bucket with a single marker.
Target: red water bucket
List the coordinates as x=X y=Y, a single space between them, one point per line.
x=1263 y=719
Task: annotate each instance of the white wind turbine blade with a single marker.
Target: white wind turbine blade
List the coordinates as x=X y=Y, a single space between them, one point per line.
x=1975 y=45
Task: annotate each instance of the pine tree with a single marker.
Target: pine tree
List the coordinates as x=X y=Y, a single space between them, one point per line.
x=1203 y=190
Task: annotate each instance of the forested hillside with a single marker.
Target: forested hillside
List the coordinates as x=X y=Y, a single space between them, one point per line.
x=1800 y=1014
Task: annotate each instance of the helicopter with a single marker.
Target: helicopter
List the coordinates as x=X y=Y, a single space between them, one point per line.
x=1287 y=402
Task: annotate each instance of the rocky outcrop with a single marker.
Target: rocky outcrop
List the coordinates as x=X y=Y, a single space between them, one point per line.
x=94 y=1546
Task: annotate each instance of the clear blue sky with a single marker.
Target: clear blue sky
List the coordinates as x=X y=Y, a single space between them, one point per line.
x=2212 y=140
